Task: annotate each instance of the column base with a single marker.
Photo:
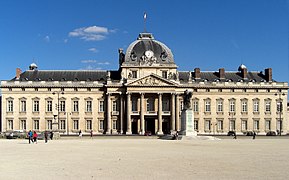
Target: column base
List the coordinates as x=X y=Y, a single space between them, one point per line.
x=160 y=133
x=128 y=133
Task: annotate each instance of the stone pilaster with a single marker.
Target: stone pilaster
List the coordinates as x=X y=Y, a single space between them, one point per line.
x=128 y=112
x=121 y=114
x=177 y=108
x=173 y=114
x=160 y=112
x=142 y=108
x=108 y=115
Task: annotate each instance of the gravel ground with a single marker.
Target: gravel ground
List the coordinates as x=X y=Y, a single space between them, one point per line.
x=145 y=158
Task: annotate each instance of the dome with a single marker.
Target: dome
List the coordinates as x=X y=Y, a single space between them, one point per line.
x=241 y=67
x=146 y=51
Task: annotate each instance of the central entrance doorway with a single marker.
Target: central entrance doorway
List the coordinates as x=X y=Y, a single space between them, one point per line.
x=150 y=125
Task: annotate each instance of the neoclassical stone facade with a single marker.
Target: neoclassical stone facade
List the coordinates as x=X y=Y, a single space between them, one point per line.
x=145 y=94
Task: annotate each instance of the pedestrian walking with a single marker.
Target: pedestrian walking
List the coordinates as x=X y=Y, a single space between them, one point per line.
x=91 y=134
x=30 y=134
x=235 y=136
x=254 y=135
x=46 y=136
x=80 y=134
x=35 y=135
x=51 y=135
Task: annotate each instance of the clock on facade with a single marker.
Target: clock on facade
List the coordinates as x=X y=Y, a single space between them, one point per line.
x=149 y=54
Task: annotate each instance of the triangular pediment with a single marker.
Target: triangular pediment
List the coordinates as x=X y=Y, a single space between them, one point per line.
x=152 y=80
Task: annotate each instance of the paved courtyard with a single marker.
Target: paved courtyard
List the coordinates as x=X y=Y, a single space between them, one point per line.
x=145 y=158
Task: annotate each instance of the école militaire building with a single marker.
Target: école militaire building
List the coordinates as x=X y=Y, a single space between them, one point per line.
x=145 y=94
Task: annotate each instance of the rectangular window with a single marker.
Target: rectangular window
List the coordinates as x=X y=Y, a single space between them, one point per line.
x=232 y=106
x=36 y=106
x=88 y=106
x=256 y=106
x=232 y=125
x=10 y=106
x=62 y=125
x=88 y=124
x=101 y=106
x=75 y=124
x=101 y=124
x=23 y=106
x=49 y=125
x=207 y=125
x=267 y=106
x=219 y=106
x=279 y=107
x=75 y=106
x=165 y=74
x=196 y=106
x=279 y=125
x=23 y=124
x=256 y=125
x=267 y=125
x=134 y=74
x=181 y=105
x=49 y=106
x=220 y=125
x=36 y=124
x=62 y=106
x=244 y=106
x=151 y=104
x=134 y=105
x=196 y=125
x=165 y=105
x=10 y=125
x=207 y=106
x=114 y=106
x=244 y=125
x=114 y=124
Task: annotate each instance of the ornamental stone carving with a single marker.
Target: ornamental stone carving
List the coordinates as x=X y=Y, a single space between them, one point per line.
x=148 y=61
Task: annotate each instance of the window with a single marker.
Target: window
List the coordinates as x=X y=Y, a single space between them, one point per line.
x=75 y=124
x=101 y=124
x=196 y=125
x=279 y=107
x=207 y=125
x=267 y=106
x=256 y=106
x=62 y=106
x=62 y=125
x=150 y=104
x=49 y=125
x=165 y=74
x=114 y=106
x=181 y=105
x=279 y=125
x=207 y=106
x=22 y=106
x=88 y=106
x=165 y=105
x=49 y=106
x=114 y=124
x=23 y=124
x=267 y=124
x=244 y=125
x=232 y=125
x=219 y=105
x=232 y=105
x=88 y=124
x=256 y=125
x=134 y=104
x=10 y=125
x=36 y=106
x=36 y=124
x=101 y=106
x=10 y=106
x=134 y=74
x=220 y=125
x=75 y=106
x=195 y=105
x=244 y=106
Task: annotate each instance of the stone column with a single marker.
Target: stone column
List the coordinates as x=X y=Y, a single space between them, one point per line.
x=177 y=108
x=173 y=114
x=142 y=108
x=121 y=114
x=108 y=115
x=160 y=112
x=128 y=112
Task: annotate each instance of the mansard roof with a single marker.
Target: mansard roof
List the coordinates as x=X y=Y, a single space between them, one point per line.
x=67 y=75
x=229 y=76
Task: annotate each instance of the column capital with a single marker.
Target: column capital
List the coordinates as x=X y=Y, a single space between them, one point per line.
x=108 y=93
x=128 y=93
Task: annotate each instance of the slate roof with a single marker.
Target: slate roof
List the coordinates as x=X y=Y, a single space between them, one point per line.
x=229 y=76
x=67 y=75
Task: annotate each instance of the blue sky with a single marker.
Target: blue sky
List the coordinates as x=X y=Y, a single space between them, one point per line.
x=86 y=34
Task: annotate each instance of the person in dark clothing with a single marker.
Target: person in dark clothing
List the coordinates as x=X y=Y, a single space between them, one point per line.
x=235 y=135
x=51 y=135
x=254 y=135
x=46 y=136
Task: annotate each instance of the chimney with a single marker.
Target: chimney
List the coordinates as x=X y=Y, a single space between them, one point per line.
x=268 y=74
x=197 y=73
x=18 y=73
x=222 y=73
x=244 y=73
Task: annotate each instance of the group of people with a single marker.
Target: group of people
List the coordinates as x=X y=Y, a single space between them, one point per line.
x=32 y=136
x=80 y=134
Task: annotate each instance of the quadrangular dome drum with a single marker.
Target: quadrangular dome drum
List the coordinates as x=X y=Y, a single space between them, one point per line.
x=146 y=51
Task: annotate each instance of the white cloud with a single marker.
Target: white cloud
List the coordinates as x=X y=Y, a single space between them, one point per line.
x=88 y=61
x=94 y=50
x=47 y=38
x=103 y=63
x=65 y=40
x=90 y=67
x=92 y=33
